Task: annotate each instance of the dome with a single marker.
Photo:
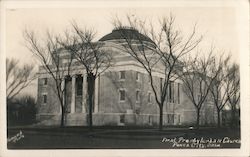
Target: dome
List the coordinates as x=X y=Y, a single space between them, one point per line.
x=131 y=33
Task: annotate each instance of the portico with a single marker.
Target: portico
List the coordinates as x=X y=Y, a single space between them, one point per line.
x=76 y=93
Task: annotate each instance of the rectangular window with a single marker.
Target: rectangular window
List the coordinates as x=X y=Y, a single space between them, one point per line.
x=44 y=99
x=122 y=95
x=45 y=81
x=122 y=75
x=137 y=96
x=178 y=93
x=137 y=76
x=149 y=97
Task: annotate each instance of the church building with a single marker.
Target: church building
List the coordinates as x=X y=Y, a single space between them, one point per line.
x=123 y=95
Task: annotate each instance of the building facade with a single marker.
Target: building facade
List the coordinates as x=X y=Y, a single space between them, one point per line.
x=122 y=95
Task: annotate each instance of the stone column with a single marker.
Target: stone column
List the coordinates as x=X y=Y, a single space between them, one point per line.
x=84 y=92
x=96 y=94
x=73 y=94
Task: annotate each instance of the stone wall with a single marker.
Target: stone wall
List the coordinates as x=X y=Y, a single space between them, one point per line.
x=52 y=106
x=109 y=93
x=111 y=110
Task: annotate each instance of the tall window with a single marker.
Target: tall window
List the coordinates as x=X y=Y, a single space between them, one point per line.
x=122 y=95
x=45 y=81
x=137 y=76
x=44 y=98
x=178 y=93
x=149 y=97
x=122 y=75
x=137 y=96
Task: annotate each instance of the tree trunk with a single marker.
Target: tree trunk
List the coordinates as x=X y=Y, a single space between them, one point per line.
x=161 y=117
x=91 y=87
x=233 y=116
x=63 y=104
x=218 y=118
x=62 y=117
x=198 y=119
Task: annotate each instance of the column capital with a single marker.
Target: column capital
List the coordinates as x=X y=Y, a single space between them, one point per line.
x=73 y=75
x=83 y=74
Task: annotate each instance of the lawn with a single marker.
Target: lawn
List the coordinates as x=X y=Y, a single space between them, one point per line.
x=122 y=137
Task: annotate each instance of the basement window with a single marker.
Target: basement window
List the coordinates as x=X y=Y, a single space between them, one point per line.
x=122 y=118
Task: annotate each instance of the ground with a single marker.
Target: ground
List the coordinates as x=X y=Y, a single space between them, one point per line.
x=122 y=137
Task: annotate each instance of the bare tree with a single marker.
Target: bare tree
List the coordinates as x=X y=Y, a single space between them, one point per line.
x=233 y=92
x=17 y=77
x=168 y=46
x=48 y=54
x=197 y=80
x=90 y=54
x=220 y=86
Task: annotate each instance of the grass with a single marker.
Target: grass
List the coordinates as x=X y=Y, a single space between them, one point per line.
x=109 y=137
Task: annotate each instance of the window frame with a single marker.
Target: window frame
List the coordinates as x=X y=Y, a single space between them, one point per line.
x=120 y=95
x=44 y=97
x=149 y=97
x=137 y=76
x=45 y=81
x=137 y=97
x=122 y=118
x=120 y=75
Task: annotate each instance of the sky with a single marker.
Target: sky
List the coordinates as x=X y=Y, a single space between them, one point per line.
x=218 y=25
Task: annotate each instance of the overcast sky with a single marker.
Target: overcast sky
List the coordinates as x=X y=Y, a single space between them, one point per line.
x=217 y=24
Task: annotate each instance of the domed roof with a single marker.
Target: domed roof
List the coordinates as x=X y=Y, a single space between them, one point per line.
x=130 y=33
